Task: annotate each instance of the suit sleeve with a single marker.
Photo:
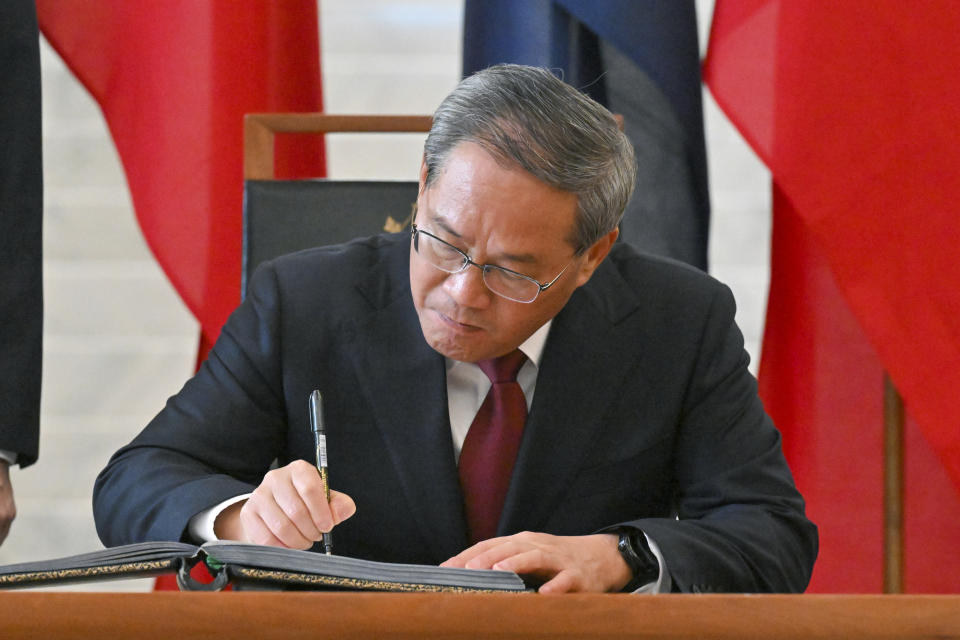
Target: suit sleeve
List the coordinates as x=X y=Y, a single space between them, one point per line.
x=213 y=440
x=740 y=524
x=21 y=220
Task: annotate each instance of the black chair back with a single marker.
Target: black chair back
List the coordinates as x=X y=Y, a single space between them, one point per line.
x=282 y=216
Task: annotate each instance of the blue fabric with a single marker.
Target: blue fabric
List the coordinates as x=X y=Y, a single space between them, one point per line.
x=507 y=31
x=659 y=37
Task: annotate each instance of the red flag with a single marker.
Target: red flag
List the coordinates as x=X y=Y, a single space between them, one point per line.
x=854 y=107
x=174 y=80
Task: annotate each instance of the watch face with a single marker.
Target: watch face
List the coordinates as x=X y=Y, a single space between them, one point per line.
x=629 y=553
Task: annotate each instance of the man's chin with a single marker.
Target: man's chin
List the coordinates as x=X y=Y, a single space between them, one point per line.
x=455 y=350
x=457 y=347
x=454 y=340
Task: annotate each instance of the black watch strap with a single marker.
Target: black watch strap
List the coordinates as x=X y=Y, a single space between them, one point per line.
x=636 y=553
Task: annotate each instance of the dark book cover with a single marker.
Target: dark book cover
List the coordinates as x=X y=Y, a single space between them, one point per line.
x=253 y=566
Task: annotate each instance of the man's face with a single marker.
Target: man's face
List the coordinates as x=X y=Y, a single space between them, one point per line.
x=500 y=216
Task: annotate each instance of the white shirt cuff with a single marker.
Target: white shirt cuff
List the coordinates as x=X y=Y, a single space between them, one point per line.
x=10 y=457
x=201 y=524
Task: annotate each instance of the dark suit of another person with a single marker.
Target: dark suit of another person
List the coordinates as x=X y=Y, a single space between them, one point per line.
x=644 y=413
x=21 y=219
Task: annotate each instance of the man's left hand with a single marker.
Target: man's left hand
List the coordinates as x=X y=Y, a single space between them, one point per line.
x=8 y=510
x=565 y=563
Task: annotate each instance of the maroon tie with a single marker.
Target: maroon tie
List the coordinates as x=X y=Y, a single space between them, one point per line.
x=490 y=448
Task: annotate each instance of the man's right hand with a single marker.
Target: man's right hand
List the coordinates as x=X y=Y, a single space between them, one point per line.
x=288 y=509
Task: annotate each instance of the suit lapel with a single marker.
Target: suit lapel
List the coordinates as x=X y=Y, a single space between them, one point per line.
x=577 y=379
x=408 y=395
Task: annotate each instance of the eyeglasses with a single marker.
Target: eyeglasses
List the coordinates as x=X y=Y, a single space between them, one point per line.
x=503 y=282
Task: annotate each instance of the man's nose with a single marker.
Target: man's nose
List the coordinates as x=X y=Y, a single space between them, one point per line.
x=467 y=287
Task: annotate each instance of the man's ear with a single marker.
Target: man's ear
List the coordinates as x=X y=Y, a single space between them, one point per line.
x=593 y=256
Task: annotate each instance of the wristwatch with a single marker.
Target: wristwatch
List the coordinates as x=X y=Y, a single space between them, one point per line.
x=636 y=553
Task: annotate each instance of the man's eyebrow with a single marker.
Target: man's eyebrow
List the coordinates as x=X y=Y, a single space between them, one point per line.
x=441 y=222
x=521 y=258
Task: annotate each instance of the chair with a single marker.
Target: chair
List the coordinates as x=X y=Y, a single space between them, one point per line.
x=281 y=216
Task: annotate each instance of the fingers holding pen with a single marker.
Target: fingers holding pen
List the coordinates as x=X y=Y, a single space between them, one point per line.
x=264 y=522
x=311 y=493
x=290 y=508
x=276 y=514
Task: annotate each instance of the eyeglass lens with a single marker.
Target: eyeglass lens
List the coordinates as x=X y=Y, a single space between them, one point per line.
x=500 y=281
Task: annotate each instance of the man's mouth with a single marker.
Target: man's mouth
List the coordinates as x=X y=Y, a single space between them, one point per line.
x=455 y=324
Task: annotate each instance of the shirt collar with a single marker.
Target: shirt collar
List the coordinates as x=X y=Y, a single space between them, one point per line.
x=533 y=346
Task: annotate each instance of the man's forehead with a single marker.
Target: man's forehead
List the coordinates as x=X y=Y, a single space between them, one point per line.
x=477 y=196
x=450 y=228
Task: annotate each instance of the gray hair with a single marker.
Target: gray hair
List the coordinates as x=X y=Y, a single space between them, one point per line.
x=562 y=137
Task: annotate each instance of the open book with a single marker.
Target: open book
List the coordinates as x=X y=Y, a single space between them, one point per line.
x=253 y=566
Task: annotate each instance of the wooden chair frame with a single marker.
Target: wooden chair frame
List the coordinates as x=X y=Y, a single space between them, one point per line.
x=260 y=129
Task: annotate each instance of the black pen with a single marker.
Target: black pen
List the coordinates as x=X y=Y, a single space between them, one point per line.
x=320 y=440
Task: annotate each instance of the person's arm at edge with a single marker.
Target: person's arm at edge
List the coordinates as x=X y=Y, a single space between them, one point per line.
x=8 y=508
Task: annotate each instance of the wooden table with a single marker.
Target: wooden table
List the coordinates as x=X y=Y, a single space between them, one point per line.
x=287 y=616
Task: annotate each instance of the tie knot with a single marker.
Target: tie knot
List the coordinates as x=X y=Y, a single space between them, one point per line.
x=504 y=368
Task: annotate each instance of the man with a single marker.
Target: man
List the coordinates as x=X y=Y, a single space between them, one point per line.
x=645 y=462
x=21 y=245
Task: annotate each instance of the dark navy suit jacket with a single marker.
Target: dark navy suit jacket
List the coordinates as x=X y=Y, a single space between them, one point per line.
x=644 y=413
